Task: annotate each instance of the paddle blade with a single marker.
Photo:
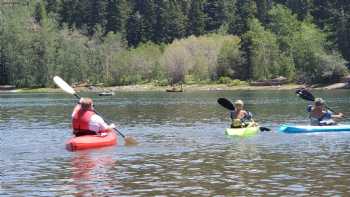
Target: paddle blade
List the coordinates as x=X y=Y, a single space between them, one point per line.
x=226 y=103
x=63 y=85
x=263 y=129
x=130 y=141
x=304 y=94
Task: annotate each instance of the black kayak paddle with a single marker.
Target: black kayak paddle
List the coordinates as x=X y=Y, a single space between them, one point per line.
x=226 y=104
x=304 y=94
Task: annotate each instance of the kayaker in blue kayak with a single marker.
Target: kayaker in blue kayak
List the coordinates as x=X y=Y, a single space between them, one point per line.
x=86 y=122
x=240 y=117
x=319 y=115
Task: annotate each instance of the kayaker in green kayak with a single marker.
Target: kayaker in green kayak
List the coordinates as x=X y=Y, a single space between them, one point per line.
x=240 y=117
x=319 y=115
x=86 y=122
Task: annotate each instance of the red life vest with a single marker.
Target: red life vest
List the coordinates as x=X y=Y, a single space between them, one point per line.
x=81 y=120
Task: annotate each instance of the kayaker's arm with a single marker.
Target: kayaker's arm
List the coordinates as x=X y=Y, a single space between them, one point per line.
x=76 y=109
x=111 y=127
x=339 y=115
x=102 y=125
x=329 y=114
x=232 y=114
x=248 y=116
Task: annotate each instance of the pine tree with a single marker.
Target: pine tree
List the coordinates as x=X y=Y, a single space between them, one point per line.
x=341 y=26
x=147 y=10
x=96 y=15
x=216 y=15
x=334 y=18
x=117 y=15
x=263 y=7
x=196 y=18
x=302 y=8
x=245 y=10
x=171 y=22
x=134 y=29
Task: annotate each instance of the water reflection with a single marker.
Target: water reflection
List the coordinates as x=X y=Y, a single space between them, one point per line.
x=90 y=173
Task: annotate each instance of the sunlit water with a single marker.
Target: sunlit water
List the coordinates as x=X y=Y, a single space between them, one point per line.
x=182 y=152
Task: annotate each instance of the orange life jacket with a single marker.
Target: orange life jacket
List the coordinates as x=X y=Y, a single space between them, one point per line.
x=81 y=119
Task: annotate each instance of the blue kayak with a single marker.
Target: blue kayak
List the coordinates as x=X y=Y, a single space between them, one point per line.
x=310 y=129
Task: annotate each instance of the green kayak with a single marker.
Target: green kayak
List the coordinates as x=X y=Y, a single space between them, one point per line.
x=243 y=132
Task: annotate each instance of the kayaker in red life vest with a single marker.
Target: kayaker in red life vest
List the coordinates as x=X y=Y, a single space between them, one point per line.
x=240 y=117
x=319 y=115
x=86 y=122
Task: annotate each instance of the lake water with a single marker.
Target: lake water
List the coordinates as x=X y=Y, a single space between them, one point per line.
x=182 y=148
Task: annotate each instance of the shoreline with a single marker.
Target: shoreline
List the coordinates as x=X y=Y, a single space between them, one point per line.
x=186 y=88
x=148 y=87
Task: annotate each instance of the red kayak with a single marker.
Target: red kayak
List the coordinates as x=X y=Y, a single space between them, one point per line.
x=91 y=141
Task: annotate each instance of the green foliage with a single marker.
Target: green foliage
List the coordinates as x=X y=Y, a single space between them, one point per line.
x=284 y=24
x=127 y=42
x=245 y=11
x=163 y=82
x=302 y=8
x=22 y=46
x=231 y=61
x=216 y=15
x=189 y=79
x=137 y=65
x=171 y=22
x=195 y=56
x=224 y=80
x=231 y=82
x=306 y=47
x=117 y=14
x=237 y=82
x=264 y=51
x=196 y=17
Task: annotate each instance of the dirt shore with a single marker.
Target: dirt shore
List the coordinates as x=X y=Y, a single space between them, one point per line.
x=148 y=87
x=186 y=88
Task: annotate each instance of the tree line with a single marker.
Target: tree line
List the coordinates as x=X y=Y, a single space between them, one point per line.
x=118 y=42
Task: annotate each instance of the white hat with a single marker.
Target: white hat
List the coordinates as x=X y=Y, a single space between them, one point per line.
x=239 y=102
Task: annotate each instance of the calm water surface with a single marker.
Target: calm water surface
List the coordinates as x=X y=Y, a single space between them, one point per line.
x=182 y=152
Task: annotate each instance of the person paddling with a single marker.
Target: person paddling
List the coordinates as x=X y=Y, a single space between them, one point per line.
x=319 y=115
x=240 y=117
x=86 y=122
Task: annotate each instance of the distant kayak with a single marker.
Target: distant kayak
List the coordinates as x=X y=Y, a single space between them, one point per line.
x=174 y=90
x=309 y=128
x=243 y=132
x=91 y=141
x=106 y=93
